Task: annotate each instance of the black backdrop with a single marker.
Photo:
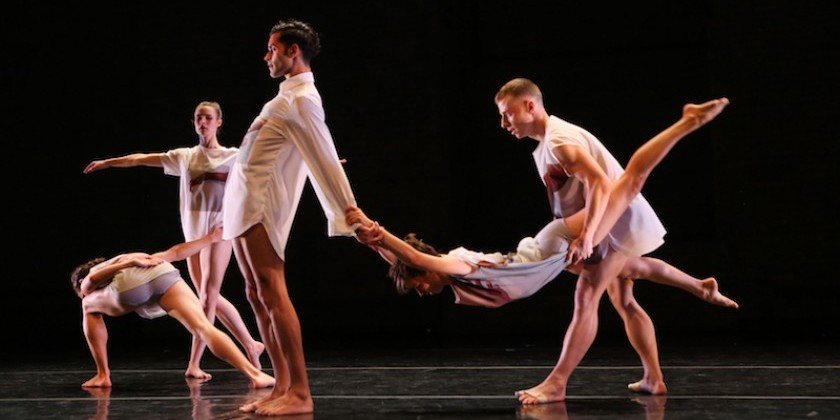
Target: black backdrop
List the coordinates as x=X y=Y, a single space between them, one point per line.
x=408 y=87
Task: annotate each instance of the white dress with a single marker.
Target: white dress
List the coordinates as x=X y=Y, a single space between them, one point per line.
x=266 y=182
x=202 y=173
x=637 y=232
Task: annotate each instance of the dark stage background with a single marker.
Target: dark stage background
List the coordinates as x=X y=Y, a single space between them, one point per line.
x=408 y=89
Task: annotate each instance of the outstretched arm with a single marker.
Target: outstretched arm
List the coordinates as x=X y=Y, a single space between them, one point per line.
x=391 y=248
x=186 y=249
x=383 y=252
x=127 y=161
x=104 y=274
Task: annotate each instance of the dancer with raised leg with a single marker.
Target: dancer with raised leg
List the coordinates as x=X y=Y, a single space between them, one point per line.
x=495 y=279
x=578 y=172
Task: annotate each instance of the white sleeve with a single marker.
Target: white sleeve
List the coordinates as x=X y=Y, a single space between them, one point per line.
x=175 y=161
x=329 y=180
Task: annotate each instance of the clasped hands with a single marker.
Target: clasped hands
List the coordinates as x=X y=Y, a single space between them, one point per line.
x=369 y=231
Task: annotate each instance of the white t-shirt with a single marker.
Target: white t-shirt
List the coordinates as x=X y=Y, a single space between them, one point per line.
x=128 y=279
x=637 y=232
x=202 y=172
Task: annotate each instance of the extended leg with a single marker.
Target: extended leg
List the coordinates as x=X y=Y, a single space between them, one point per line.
x=661 y=272
x=644 y=160
x=181 y=303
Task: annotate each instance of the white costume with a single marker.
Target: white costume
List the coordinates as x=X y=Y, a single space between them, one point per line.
x=513 y=276
x=202 y=173
x=637 y=232
x=267 y=180
x=136 y=288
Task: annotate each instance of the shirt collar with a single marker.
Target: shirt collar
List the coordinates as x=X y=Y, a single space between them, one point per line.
x=297 y=80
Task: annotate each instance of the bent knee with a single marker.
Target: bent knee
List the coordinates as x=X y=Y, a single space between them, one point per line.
x=621 y=296
x=202 y=329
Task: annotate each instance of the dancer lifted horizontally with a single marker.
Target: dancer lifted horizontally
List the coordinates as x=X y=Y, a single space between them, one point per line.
x=495 y=279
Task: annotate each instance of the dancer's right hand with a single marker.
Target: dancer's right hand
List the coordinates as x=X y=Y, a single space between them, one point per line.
x=579 y=250
x=370 y=234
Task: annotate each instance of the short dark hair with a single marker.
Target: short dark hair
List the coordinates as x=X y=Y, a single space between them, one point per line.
x=401 y=272
x=80 y=272
x=293 y=31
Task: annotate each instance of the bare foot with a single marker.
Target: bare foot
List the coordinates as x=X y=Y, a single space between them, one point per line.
x=197 y=373
x=290 y=403
x=98 y=381
x=252 y=406
x=263 y=380
x=249 y=408
x=705 y=112
x=646 y=387
x=541 y=394
x=254 y=352
x=712 y=295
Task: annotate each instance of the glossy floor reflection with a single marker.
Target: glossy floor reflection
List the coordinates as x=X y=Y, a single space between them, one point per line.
x=451 y=381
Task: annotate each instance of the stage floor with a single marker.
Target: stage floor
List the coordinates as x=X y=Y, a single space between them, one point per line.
x=442 y=381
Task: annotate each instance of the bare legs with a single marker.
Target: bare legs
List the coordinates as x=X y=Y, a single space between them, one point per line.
x=591 y=285
x=645 y=159
x=661 y=272
x=96 y=335
x=594 y=280
x=279 y=325
x=181 y=303
x=642 y=336
x=207 y=271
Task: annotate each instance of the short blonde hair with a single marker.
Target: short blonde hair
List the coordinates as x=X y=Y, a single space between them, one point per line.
x=519 y=87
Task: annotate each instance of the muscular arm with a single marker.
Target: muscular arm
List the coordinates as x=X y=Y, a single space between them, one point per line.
x=581 y=165
x=127 y=161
